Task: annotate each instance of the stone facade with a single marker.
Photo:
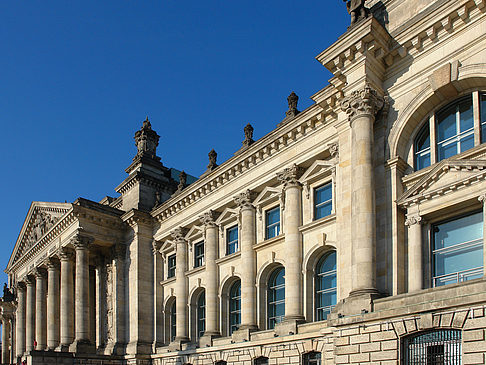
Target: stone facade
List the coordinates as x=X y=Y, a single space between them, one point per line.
x=384 y=174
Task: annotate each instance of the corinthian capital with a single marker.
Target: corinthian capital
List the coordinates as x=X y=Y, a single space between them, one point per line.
x=290 y=175
x=362 y=102
x=244 y=200
x=81 y=242
x=208 y=219
x=178 y=234
x=414 y=219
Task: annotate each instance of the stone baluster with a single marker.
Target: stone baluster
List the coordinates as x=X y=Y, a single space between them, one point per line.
x=30 y=314
x=53 y=313
x=20 y=320
x=41 y=308
x=248 y=260
x=361 y=107
x=81 y=296
x=211 y=255
x=292 y=190
x=6 y=318
x=415 y=249
x=67 y=298
x=182 y=333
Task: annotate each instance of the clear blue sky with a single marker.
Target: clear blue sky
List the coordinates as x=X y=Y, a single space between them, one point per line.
x=78 y=77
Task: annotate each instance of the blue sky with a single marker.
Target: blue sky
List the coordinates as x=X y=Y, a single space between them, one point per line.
x=78 y=78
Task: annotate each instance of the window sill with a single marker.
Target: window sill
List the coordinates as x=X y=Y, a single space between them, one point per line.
x=195 y=270
x=228 y=257
x=269 y=241
x=321 y=221
x=168 y=281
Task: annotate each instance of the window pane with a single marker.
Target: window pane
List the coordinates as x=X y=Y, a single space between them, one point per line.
x=467 y=142
x=323 y=201
x=272 y=228
x=326 y=286
x=466 y=114
x=231 y=240
x=446 y=120
x=447 y=150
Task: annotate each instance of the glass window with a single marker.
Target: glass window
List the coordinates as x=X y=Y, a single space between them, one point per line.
x=433 y=347
x=272 y=222
x=422 y=148
x=262 y=360
x=171 y=266
x=199 y=254
x=312 y=358
x=232 y=240
x=458 y=250
x=221 y=362
x=173 y=321
x=235 y=307
x=323 y=201
x=201 y=315
x=276 y=297
x=455 y=128
x=325 y=284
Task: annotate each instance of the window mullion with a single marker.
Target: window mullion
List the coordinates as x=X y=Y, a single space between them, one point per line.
x=433 y=142
x=476 y=118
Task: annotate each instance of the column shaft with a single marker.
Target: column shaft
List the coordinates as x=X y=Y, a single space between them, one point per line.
x=30 y=315
x=100 y=304
x=211 y=247
x=415 y=249
x=181 y=291
x=67 y=300
x=82 y=293
x=20 y=320
x=6 y=340
x=158 y=297
x=41 y=309
x=53 y=320
x=248 y=268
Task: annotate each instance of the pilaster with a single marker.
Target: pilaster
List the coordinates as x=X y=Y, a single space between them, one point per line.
x=415 y=249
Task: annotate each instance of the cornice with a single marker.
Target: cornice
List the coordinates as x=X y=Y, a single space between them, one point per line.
x=136 y=217
x=142 y=177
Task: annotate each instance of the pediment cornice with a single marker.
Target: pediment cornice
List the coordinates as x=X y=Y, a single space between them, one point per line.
x=439 y=181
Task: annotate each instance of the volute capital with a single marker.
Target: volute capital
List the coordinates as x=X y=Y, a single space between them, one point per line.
x=52 y=263
x=179 y=234
x=362 y=102
x=81 y=242
x=65 y=254
x=244 y=200
x=290 y=176
x=414 y=219
x=208 y=219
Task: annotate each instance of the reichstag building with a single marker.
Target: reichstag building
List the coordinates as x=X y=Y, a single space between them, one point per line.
x=351 y=233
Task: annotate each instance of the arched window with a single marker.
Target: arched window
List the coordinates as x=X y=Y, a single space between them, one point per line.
x=276 y=297
x=234 y=307
x=454 y=127
x=201 y=315
x=432 y=347
x=173 y=321
x=325 y=284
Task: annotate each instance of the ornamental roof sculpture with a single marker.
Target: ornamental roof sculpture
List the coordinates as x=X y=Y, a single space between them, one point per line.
x=146 y=141
x=357 y=10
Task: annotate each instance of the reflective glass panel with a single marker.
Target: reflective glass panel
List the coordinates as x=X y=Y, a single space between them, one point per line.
x=276 y=297
x=272 y=228
x=326 y=286
x=232 y=240
x=322 y=201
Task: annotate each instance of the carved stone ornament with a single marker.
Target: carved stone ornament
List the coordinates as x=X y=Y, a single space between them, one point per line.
x=212 y=160
x=208 y=219
x=292 y=100
x=182 y=180
x=81 y=242
x=52 y=263
x=362 y=102
x=357 y=10
x=248 y=135
x=482 y=198
x=43 y=222
x=65 y=254
x=333 y=150
x=244 y=200
x=178 y=234
x=40 y=273
x=290 y=175
x=415 y=219
x=146 y=141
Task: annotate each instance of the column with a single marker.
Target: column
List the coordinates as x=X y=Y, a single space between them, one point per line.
x=41 y=308
x=482 y=199
x=158 y=296
x=100 y=306
x=119 y=326
x=81 y=295
x=248 y=260
x=20 y=320
x=415 y=249
x=210 y=255
x=293 y=242
x=30 y=314
x=92 y=304
x=181 y=286
x=67 y=298
x=53 y=290
x=6 y=338
x=361 y=107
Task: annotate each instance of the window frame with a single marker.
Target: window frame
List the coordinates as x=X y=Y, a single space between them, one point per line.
x=173 y=321
x=272 y=321
x=235 y=243
x=232 y=327
x=201 y=315
x=315 y=205
x=199 y=259
x=171 y=269
x=317 y=292
x=275 y=225
x=454 y=343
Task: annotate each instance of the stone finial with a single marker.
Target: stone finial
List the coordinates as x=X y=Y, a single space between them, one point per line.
x=146 y=141
x=292 y=99
x=212 y=160
x=208 y=219
x=357 y=10
x=361 y=102
x=244 y=200
x=248 y=135
x=290 y=175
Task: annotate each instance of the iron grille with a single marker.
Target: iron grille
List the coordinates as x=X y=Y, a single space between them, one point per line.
x=442 y=347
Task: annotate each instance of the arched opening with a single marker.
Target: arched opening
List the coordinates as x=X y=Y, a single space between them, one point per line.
x=276 y=297
x=170 y=320
x=325 y=285
x=234 y=305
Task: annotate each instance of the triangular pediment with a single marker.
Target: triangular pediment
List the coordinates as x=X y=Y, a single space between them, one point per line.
x=446 y=176
x=40 y=219
x=194 y=233
x=317 y=170
x=228 y=214
x=266 y=195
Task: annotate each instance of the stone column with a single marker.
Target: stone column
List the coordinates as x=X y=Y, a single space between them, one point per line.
x=158 y=296
x=182 y=333
x=415 y=249
x=100 y=295
x=20 y=320
x=211 y=254
x=81 y=295
x=361 y=107
x=6 y=338
x=482 y=199
x=53 y=313
x=67 y=299
x=293 y=242
x=41 y=308
x=248 y=260
x=30 y=314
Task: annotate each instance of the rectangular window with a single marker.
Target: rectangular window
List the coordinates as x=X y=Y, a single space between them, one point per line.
x=171 y=266
x=199 y=254
x=231 y=240
x=272 y=222
x=323 y=201
x=312 y=358
x=457 y=249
